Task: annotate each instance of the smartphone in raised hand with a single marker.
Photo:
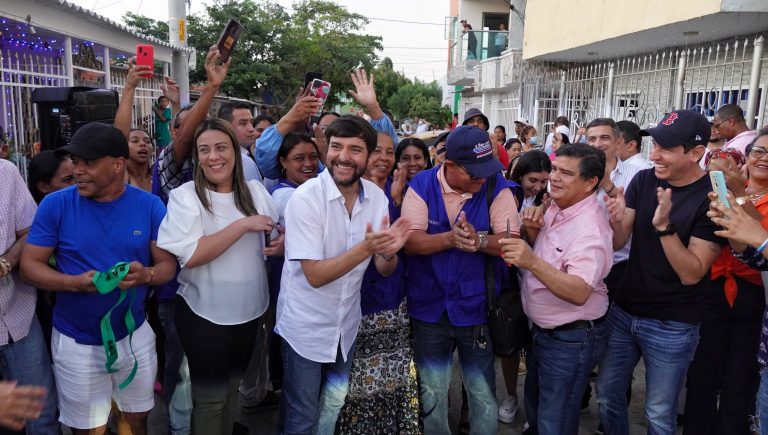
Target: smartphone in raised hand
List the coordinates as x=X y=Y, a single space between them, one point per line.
x=320 y=89
x=145 y=55
x=228 y=39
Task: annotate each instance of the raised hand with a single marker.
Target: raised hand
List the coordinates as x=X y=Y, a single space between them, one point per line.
x=135 y=73
x=734 y=180
x=216 y=72
x=661 y=216
x=616 y=206
x=171 y=90
x=365 y=94
x=398 y=185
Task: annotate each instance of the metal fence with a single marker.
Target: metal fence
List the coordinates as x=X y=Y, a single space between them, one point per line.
x=639 y=88
x=23 y=71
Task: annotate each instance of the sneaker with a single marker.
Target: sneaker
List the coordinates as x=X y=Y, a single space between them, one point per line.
x=508 y=410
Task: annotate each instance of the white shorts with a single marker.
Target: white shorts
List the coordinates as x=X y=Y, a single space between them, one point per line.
x=85 y=388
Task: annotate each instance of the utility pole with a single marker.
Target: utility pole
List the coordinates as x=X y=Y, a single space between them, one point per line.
x=177 y=35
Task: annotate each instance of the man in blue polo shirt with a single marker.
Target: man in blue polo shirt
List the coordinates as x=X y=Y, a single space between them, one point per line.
x=89 y=228
x=445 y=274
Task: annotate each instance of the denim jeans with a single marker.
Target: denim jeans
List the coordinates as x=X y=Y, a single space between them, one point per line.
x=177 y=389
x=313 y=393
x=27 y=362
x=559 y=364
x=433 y=353
x=666 y=347
x=762 y=402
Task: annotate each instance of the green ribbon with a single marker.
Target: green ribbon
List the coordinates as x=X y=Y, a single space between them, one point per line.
x=105 y=283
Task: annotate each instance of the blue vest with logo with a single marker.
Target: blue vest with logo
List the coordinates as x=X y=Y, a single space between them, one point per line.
x=451 y=281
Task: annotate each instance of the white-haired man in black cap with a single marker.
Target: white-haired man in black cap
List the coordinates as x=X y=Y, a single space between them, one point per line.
x=101 y=233
x=657 y=313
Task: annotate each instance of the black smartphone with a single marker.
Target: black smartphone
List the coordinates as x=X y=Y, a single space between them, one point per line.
x=267 y=238
x=310 y=76
x=228 y=39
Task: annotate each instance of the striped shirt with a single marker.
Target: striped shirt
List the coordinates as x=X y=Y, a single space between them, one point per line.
x=17 y=299
x=621 y=175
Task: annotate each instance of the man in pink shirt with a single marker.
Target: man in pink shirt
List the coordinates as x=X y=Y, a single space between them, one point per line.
x=729 y=121
x=562 y=288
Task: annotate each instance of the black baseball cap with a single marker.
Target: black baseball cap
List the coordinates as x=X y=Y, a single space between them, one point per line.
x=680 y=128
x=94 y=141
x=470 y=147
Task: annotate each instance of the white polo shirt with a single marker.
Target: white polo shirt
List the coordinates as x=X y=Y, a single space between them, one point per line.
x=317 y=321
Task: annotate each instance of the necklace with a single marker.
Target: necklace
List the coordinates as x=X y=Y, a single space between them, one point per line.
x=754 y=197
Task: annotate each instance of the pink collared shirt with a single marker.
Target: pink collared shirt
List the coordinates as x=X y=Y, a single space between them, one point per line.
x=741 y=140
x=577 y=241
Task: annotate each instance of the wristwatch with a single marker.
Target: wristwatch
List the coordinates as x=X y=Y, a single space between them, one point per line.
x=742 y=200
x=667 y=231
x=483 y=236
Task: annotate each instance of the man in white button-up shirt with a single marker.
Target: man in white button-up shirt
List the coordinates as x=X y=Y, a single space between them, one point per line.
x=330 y=239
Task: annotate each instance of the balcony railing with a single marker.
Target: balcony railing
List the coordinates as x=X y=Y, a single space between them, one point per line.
x=478 y=45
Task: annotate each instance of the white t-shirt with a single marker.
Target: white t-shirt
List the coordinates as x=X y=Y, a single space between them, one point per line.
x=250 y=170
x=317 y=321
x=281 y=197
x=232 y=289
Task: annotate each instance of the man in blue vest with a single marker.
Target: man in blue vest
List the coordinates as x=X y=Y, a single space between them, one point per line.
x=455 y=230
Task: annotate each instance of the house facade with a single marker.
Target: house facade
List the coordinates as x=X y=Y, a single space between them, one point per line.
x=623 y=59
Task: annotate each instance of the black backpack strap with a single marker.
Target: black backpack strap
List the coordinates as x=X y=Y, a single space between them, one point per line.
x=490 y=282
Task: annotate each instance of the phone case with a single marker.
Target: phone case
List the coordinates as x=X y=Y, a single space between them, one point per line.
x=145 y=55
x=718 y=186
x=320 y=89
x=228 y=39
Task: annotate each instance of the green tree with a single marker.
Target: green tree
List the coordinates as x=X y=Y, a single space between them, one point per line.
x=420 y=100
x=277 y=48
x=146 y=25
x=387 y=81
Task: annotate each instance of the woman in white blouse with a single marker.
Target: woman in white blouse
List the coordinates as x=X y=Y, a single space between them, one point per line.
x=217 y=225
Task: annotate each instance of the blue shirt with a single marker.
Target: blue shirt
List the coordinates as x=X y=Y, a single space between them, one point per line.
x=89 y=235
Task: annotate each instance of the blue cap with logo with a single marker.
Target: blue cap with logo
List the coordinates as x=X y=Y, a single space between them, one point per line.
x=471 y=148
x=681 y=127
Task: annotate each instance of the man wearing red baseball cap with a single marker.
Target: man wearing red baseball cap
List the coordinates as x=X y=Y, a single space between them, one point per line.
x=657 y=314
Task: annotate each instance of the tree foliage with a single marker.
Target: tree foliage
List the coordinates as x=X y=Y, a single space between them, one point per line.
x=420 y=100
x=146 y=25
x=278 y=47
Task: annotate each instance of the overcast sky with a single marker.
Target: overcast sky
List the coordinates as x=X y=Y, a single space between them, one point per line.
x=418 y=50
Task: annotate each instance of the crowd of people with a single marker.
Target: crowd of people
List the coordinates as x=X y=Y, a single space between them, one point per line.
x=321 y=265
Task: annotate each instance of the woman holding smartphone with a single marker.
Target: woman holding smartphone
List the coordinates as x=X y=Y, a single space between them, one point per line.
x=216 y=226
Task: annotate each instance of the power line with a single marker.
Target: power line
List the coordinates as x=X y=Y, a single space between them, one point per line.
x=406 y=22
x=419 y=63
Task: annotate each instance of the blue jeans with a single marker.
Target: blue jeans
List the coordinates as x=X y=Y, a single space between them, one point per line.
x=667 y=348
x=27 y=362
x=313 y=393
x=762 y=402
x=433 y=354
x=177 y=388
x=559 y=364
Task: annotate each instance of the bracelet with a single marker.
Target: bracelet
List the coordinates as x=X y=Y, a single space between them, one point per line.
x=760 y=248
x=151 y=274
x=613 y=187
x=5 y=267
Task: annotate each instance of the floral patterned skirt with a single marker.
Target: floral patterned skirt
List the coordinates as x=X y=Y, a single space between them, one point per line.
x=383 y=396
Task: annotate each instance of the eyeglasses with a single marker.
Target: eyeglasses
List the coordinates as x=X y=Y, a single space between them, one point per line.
x=758 y=152
x=472 y=177
x=717 y=125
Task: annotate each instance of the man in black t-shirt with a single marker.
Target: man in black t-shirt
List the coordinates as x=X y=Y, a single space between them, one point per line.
x=656 y=314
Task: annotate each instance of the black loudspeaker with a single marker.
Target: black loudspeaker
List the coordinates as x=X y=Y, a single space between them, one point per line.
x=62 y=111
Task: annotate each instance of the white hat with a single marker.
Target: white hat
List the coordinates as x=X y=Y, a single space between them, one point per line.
x=563 y=130
x=521 y=121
